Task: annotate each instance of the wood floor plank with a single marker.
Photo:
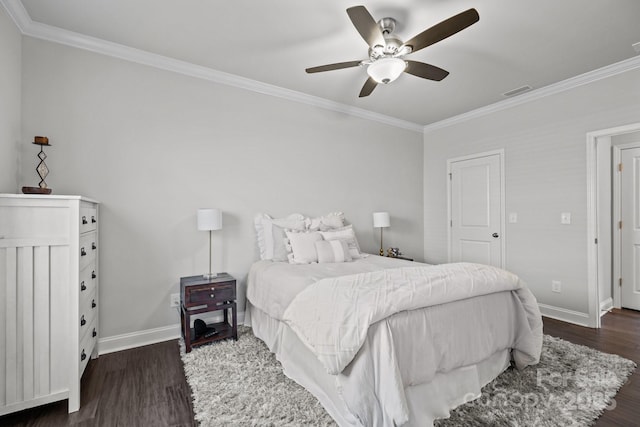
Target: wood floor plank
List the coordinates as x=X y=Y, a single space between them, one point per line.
x=146 y=385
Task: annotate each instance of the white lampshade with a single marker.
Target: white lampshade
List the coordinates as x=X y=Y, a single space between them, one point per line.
x=386 y=70
x=381 y=219
x=209 y=219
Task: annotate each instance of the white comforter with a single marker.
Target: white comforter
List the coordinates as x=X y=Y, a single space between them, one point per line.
x=333 y=315
x=469 y=314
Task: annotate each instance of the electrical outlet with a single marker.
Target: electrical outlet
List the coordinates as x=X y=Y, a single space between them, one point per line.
x=174 y=300
x=556 y=286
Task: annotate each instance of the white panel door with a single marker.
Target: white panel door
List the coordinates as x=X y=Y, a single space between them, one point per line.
x=630 y=235
x=476 y=216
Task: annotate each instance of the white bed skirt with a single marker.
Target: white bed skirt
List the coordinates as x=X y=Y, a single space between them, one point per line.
x=427 y=402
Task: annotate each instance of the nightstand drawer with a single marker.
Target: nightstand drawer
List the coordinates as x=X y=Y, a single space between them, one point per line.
x=209 y=294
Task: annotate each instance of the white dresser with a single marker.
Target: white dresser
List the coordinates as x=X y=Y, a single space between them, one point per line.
x=48 y=298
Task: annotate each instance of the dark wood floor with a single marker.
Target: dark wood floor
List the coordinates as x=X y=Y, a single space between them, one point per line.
x=620 y=334
x=146 y=386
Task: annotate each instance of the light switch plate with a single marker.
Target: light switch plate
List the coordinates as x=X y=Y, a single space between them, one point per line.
x=565 y=218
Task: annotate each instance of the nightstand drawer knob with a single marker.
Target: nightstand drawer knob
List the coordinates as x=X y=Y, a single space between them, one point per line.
x=82 y=321
x=93 y=274
x=83 y=287
x=93 y=219
x=212 y=296
x=93 y=246
x=82 y=252
x=93 y=303
x=84 y=220
x=83 y=355
x=94 y=333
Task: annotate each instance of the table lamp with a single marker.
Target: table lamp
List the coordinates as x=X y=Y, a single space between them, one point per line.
x=381 y=220
x=209 y=220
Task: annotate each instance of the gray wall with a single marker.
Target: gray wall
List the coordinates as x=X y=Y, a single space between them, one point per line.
x=154 y=146
x=10 y=52
x=545 y=162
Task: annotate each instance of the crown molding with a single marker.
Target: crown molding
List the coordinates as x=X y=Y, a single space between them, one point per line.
x=31 y=28
x=552 y=89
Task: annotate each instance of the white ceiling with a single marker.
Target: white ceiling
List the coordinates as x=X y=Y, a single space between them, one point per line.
x=515 y=43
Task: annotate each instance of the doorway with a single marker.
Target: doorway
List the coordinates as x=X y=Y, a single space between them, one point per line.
x=626 y=258
x=476 y=208
x=602 y=263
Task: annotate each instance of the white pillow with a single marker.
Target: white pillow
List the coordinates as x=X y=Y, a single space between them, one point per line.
x=333 y=251
x=344 y=233
x=303 y=246
x=326 y=222
x=270 y=234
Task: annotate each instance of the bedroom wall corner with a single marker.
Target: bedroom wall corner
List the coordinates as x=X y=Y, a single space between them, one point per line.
x=545 y=173
x=10 y=102
x=153 y=146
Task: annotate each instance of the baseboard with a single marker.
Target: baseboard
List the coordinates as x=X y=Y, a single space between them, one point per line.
x=606 y=306
x=569 y=316
x=149 y=336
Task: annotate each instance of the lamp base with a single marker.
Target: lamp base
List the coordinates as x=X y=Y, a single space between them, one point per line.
x=210 y=275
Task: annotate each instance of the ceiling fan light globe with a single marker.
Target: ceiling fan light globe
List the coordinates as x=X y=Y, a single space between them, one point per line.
x=386 y=70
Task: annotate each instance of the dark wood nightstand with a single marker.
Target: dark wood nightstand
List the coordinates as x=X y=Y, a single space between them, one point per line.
x=199 y=295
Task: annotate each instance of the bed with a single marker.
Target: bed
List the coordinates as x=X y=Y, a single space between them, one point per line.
x=387 y=342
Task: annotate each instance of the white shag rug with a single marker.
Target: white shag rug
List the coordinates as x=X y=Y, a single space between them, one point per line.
x=241 y=384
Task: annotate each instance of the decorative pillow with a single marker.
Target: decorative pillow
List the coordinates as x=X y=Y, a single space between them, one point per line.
x=344 y=233
x=303 y=248
x=270 y=234
x=333 y=251
x=327 y=222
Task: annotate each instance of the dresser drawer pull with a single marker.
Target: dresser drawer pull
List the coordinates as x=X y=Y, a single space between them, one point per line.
x=83 y=355
x=82 y=251
x=212 y=296
x=94 y=333
x=82 y=321
x=84 y=220
x=93 y=303
x=93 y=246
x=93 y=274
x=93 y=219
x=83 y=287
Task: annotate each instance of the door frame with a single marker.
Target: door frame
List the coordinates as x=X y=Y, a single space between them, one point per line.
x=617 y=213
x=500 y=153
x=593 y=262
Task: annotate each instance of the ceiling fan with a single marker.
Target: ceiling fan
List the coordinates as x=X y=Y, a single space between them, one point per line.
x=386 y=50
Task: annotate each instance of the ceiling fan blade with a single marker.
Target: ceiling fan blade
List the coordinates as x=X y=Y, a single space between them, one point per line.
x=366 y=25
x=426 y=71
x=444 y=29
x=336 y=66
x=368 y=87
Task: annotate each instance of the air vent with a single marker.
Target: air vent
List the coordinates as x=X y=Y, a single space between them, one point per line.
x=517 y=91
x=636 y=47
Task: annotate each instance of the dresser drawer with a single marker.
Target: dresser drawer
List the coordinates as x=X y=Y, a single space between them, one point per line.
x=88 y=219
x=88 y=280
x=213 y=293
x=88 y=310
x=88 y=249
x=87 y=344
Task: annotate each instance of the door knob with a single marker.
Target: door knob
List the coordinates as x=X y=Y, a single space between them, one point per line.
x=495 y=235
